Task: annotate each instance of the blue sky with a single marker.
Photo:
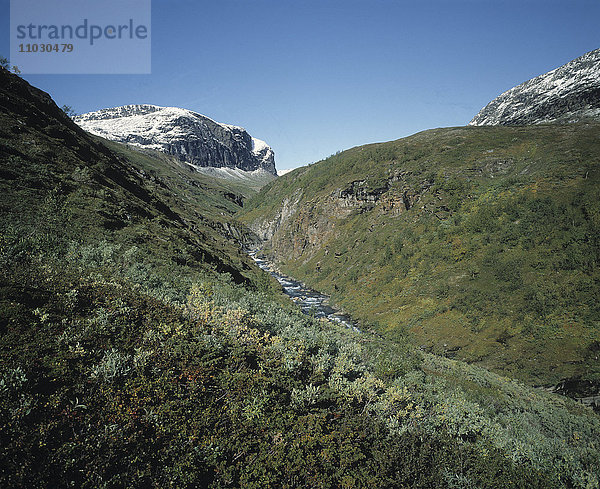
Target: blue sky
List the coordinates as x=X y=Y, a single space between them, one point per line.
x=314 y=77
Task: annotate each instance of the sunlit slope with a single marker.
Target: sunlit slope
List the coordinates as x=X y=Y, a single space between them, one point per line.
x=482 y=242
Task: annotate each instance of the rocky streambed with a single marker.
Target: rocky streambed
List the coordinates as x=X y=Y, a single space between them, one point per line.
x=310 y=301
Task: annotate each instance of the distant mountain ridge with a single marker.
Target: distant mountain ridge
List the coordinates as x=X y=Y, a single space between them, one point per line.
x=570 y=93
x=191 y=137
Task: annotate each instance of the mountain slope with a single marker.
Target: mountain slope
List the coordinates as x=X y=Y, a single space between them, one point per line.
x=482 y=243
x=192 y=137
x=570 y=93
x=55 y=173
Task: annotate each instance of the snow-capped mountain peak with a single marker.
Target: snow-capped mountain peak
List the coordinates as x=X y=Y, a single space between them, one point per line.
x=570 y=93
x=192 y=137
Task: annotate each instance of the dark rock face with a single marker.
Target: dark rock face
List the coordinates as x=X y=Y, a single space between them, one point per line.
x=570 y=93
x=190 y=136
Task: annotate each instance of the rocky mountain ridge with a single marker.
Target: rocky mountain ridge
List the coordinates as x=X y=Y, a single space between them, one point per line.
x=193 y=138
x=570 y=93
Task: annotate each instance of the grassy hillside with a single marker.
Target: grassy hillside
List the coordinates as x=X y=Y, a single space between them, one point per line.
x=178 y=181
x=482 y=243
x=139 y=348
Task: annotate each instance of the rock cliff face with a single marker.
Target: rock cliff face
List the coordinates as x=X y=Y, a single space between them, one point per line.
x=301 y=227
x=190 y=136
x=567 y=94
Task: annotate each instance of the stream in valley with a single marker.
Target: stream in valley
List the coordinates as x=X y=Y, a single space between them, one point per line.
x=311 y=301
